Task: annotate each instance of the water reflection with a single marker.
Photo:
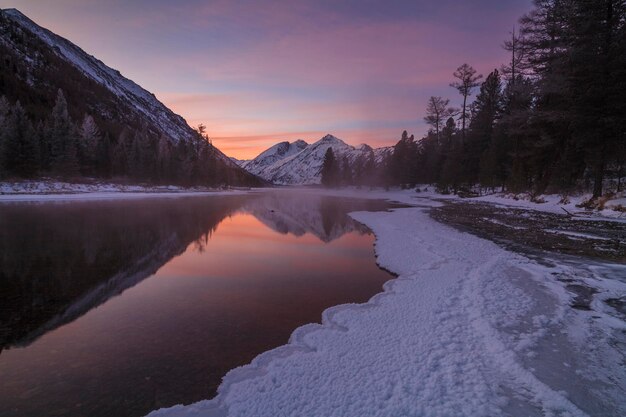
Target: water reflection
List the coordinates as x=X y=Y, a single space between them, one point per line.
x=60 y=260
x=229 y=277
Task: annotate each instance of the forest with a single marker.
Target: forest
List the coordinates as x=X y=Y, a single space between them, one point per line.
x=61 y=147
x=552 y=119
x=55 y=121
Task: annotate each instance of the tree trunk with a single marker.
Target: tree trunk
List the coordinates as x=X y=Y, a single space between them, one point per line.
x=598 y=176
x=463 y=118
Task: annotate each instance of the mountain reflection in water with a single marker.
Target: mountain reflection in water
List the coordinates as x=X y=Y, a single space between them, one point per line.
x=230 y=277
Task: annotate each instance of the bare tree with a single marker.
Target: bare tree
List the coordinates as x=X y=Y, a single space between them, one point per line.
x=467 y=81
x=437 y=112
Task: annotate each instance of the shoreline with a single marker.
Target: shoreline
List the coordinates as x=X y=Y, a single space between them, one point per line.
x=451 y=335
x=112 y=195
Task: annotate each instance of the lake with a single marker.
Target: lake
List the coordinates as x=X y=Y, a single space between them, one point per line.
x=116 y=308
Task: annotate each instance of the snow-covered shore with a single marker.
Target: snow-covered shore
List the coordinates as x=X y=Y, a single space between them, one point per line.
x=48 y=189
x=614 y=208
x=468 y=328
x=64 y=191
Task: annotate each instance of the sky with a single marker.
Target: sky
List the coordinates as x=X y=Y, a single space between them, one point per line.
x=257 y=72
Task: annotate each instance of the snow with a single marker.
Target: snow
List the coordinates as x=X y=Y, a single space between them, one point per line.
x=266 y=159
x=298 y=163
x=50 y=190
x=467 y=328
x=137 y=101
x=552 y=203
x=577 y=234
x=142 y=100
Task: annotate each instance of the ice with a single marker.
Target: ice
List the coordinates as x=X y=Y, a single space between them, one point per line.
x=467 y=328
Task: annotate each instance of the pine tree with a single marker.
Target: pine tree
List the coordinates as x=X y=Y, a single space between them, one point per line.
x=514 y=68
x=329 y=169
x=517 y=134
x=62 y=140
x=596 y=69
x=346 y=172
x=4 y=115
x=481 y=143
x=20 y=148
x=90 y=138
x=404 y=161
x=452 y=151
x=467 y=82
x=103 y=157
x=546 y=35
x=121 y=153
x=437 y=111
x=164 y=159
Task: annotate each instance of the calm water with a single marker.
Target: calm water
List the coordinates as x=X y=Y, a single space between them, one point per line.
x=118 y=308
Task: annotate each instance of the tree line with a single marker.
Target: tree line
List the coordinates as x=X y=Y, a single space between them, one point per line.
x=337 y=171
x=62 y=147
x=553 y=118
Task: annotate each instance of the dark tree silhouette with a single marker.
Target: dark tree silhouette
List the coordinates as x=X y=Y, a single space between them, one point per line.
x=467 y=82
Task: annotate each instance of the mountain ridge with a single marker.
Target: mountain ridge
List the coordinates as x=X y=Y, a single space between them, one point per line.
x=285 y=167
x=37 y=63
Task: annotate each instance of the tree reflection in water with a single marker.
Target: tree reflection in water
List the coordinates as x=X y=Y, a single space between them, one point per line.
x=229 y=277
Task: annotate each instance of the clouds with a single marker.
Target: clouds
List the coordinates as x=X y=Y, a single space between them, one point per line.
x=256 y=68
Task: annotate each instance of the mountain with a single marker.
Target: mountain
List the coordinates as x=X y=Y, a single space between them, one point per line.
x=380 y=154
x=101 y=250
x=36 y=64
x=298 y=163
x=273 y=155
x=322 y=216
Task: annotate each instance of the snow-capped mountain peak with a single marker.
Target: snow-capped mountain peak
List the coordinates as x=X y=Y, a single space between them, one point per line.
x=273 y=155
x=300 y=164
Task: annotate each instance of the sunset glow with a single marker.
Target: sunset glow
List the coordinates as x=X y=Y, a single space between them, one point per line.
x=360 y=70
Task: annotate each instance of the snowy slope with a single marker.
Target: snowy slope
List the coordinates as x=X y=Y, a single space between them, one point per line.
x=142 y=100
x=128 y=102
x=283 y=164
x=272 y=155
x=468 y=329
x=380 y=154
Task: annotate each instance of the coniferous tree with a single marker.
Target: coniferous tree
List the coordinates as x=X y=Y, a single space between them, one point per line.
x=4 y=115
x=329 y=169
x=346 y=171
x=90 y=138
x=404 y=161
x=596 y=71
x=452 y=151
x=120 y=153
x=62 y=140
x=103 y=157
x=164 y=159
x=20 y=147
x=481 y=145
x=546 y=33
x=467 y=82
x=438 y=110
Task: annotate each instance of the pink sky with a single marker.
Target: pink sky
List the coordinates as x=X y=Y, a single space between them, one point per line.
x=256 y=73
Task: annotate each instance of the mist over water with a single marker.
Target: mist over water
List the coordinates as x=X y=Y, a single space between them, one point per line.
x=120 y=307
